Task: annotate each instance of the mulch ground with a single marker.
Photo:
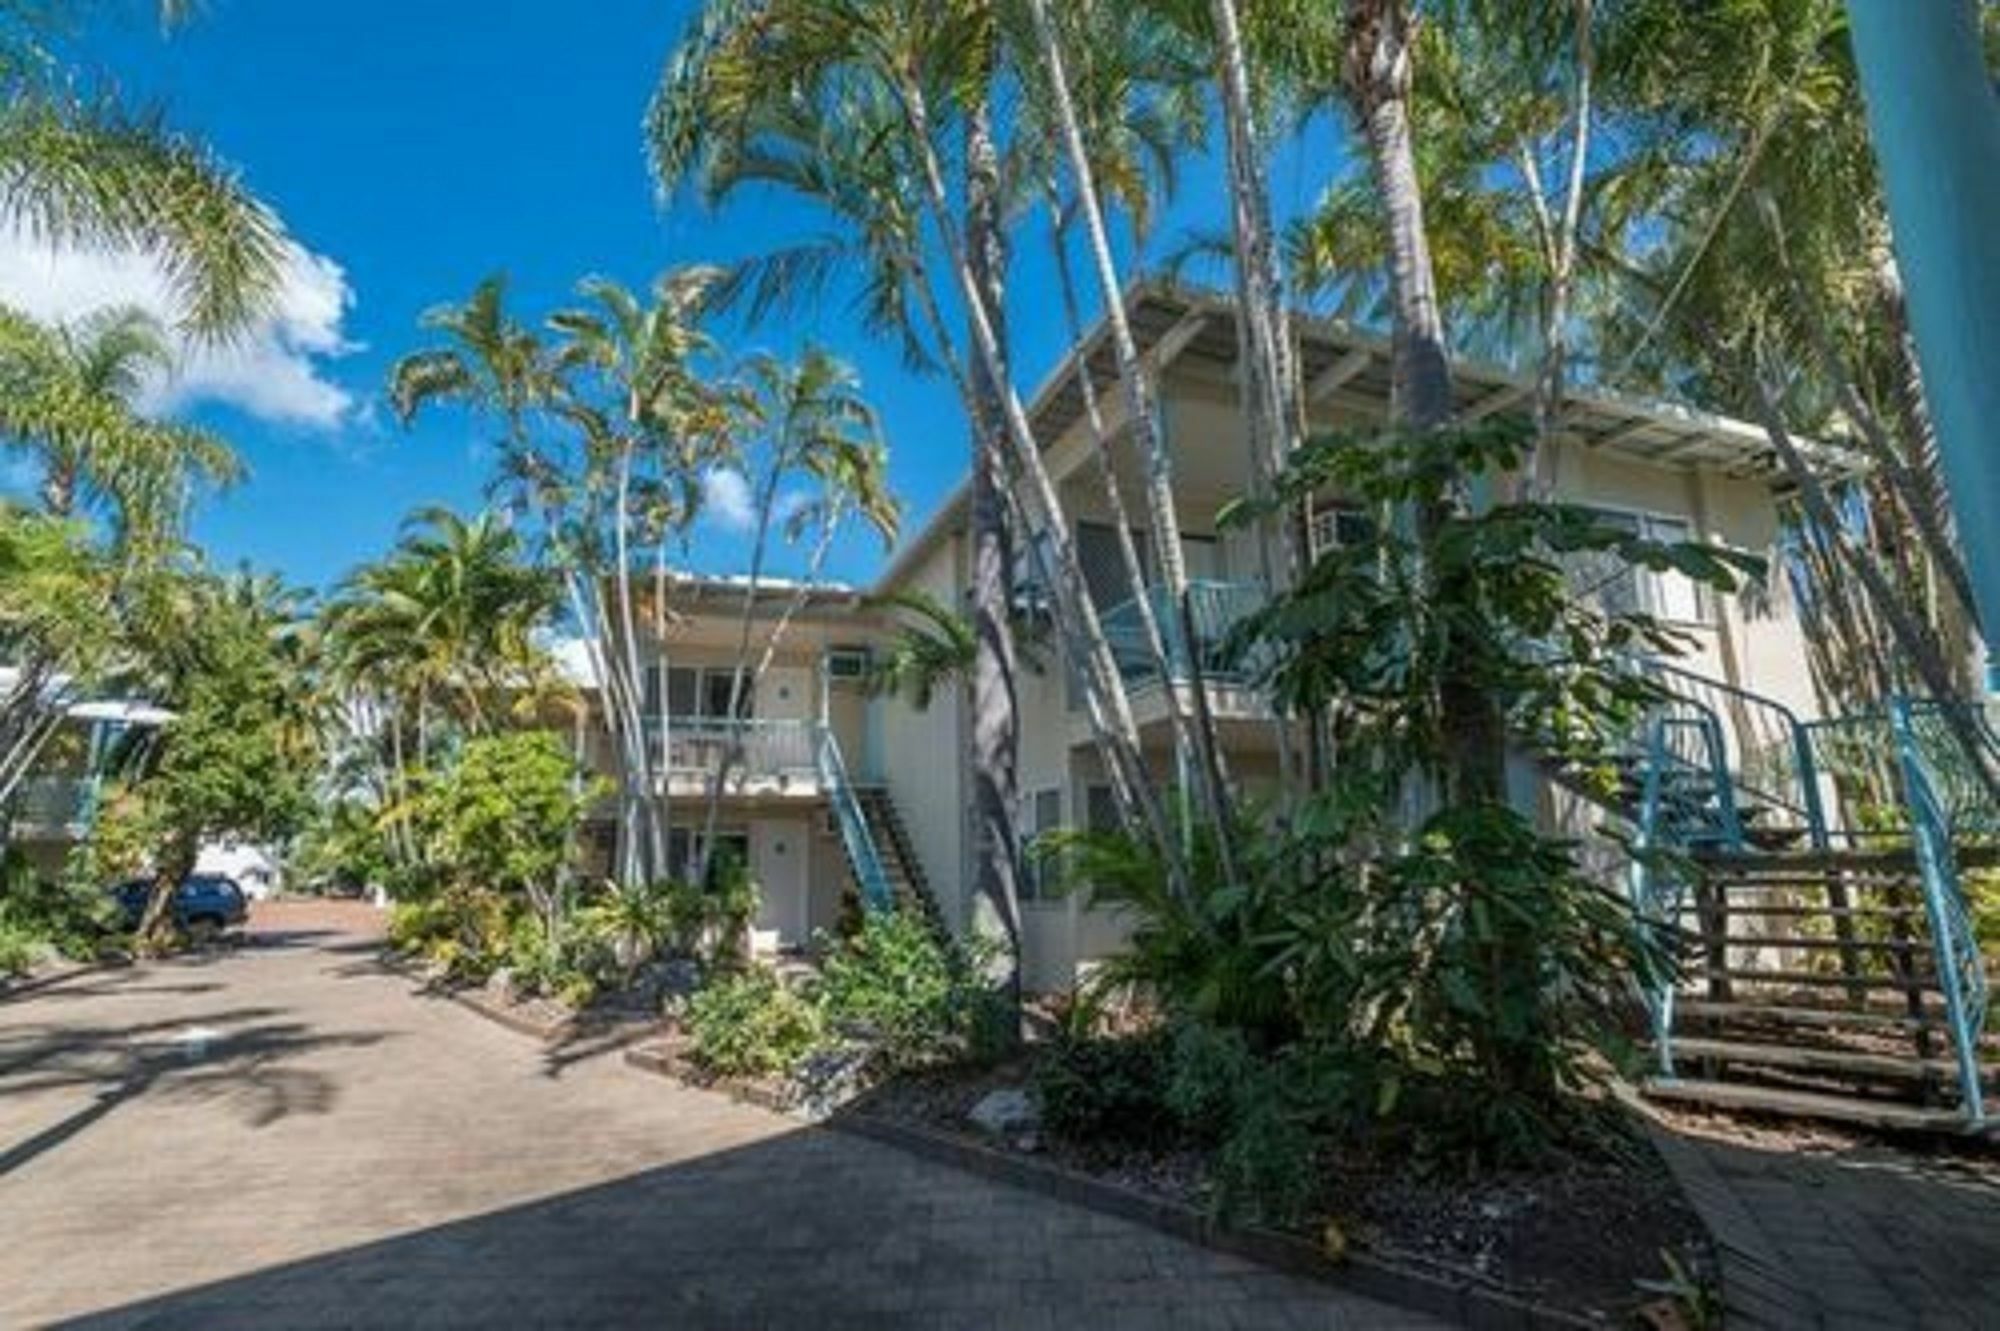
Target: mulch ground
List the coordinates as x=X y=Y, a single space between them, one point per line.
x=1577 y=1234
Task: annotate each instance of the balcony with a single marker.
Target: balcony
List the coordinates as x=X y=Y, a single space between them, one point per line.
x=1215 y=608
x=53 y=806
x=763 y=756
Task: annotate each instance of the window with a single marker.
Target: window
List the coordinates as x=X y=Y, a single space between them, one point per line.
x=1044 y=815
x=1100 y=810
x=716 y=686
x=1619 y=588
x=731 y=848
x=1337 y=525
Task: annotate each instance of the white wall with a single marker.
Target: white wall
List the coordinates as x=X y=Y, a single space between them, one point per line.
x=924 y=753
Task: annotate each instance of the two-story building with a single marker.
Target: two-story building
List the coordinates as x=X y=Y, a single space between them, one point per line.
x=1670 y=471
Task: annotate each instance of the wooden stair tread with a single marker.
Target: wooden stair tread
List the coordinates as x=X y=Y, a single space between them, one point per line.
x=1805 y=1104
x=1823 y=944
x=1785 y=1015
x=1925 y=982
x=1814 y=1058
x=1912 y=911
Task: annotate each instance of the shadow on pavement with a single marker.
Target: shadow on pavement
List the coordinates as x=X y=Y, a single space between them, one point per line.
x=810 y=1229
x=240 y=1058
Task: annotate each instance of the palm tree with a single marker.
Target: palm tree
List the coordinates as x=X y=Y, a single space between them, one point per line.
x=443 y=632
x=67 y=397
x=81 y=169
x=660 y=427
x=810 y=424
x=741 y=86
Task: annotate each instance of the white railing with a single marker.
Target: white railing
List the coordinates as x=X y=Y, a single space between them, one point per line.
x=53 y=802
x=698 y=745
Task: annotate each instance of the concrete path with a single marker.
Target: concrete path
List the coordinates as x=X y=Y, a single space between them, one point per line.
x=1822 y=1230
x=287 y=1135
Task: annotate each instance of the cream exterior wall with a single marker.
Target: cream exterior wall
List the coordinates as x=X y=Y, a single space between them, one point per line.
x=924 y=753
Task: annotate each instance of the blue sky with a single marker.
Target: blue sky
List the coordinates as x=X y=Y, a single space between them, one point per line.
x=413 y=148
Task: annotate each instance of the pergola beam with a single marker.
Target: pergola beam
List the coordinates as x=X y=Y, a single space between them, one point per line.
x=1499 y=400
x=1330 y=380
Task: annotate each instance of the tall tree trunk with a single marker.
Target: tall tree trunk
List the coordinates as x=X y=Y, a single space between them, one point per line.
x=1273 y=401
x=996 y=708
x=1379 y=55
x=1083 y=629
x=1193 y=744
x=1558 y=232
x=1917 y=647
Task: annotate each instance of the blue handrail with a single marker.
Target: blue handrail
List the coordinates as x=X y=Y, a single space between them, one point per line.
x=1760 y=757
x=1686 y=799
x=1961 y=971
x=855 y=837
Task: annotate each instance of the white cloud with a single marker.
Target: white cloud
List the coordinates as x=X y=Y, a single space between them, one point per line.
x=726 y=499
x=276 y=371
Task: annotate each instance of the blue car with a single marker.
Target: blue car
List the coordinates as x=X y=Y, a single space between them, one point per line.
x=205 y=903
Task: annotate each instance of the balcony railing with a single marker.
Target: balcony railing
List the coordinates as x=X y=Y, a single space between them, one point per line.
x=698 y=745
x=54 y=803
x=1216 y=608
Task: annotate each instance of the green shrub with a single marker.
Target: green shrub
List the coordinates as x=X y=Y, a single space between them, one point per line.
x=907 y=990
x=464 y=931
x=750 y=1025
x=20 y=950
x=1100 y=1090
x=624 y=928
x=72 y=915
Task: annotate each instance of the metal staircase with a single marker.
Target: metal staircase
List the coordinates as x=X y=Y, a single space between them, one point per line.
x=857 y=839
x=879 y=852
x=1827 y=966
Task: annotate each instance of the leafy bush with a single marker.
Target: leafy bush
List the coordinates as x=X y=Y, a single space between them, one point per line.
x=71 y=915
x=907 y=990
x=1107 y=1090
x=751 y=1025
x=504 y=813
x=630 y=925
x=464 y=931
x=20 y=950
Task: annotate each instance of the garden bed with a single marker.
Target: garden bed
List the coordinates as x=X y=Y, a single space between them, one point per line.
x=614 y=1018
x=1575 y=1237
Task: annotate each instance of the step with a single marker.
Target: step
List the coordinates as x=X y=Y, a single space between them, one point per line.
x=1926 y=983
x=1820 y=944
x=1806 y=1104
x=1808 y=864
x=1782 y=1014
x=1913 y=911
x=1808 y=1058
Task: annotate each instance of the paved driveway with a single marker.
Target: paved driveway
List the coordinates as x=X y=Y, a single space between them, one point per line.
x=287 y=1135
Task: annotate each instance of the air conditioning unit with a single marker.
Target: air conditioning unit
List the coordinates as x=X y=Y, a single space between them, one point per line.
x=846 y=662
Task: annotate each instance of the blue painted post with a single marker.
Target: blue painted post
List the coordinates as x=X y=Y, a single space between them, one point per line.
x=1935 y=122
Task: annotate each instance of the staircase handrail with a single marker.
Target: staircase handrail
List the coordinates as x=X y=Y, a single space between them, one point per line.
x=1961 y=969
x=855 y=837
x=1811 y=805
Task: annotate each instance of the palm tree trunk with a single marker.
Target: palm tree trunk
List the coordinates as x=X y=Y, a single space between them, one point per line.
x=1273 y=405
x=1072 y=597
x=1379 y=55
x=1916 y=645
x=767 y=501
x=1194 y=744
x=1121 y=761
x=996 y=717
x=1558 y=232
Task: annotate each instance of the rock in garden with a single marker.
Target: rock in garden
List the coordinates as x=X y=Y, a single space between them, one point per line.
x=1007 y=1112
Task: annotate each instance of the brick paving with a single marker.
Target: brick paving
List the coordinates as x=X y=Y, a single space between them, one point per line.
x=1825 y=1231
x=286 y=1135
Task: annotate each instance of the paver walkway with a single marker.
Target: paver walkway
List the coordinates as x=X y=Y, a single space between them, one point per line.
x=287 y=1135
x=1826 y=1231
